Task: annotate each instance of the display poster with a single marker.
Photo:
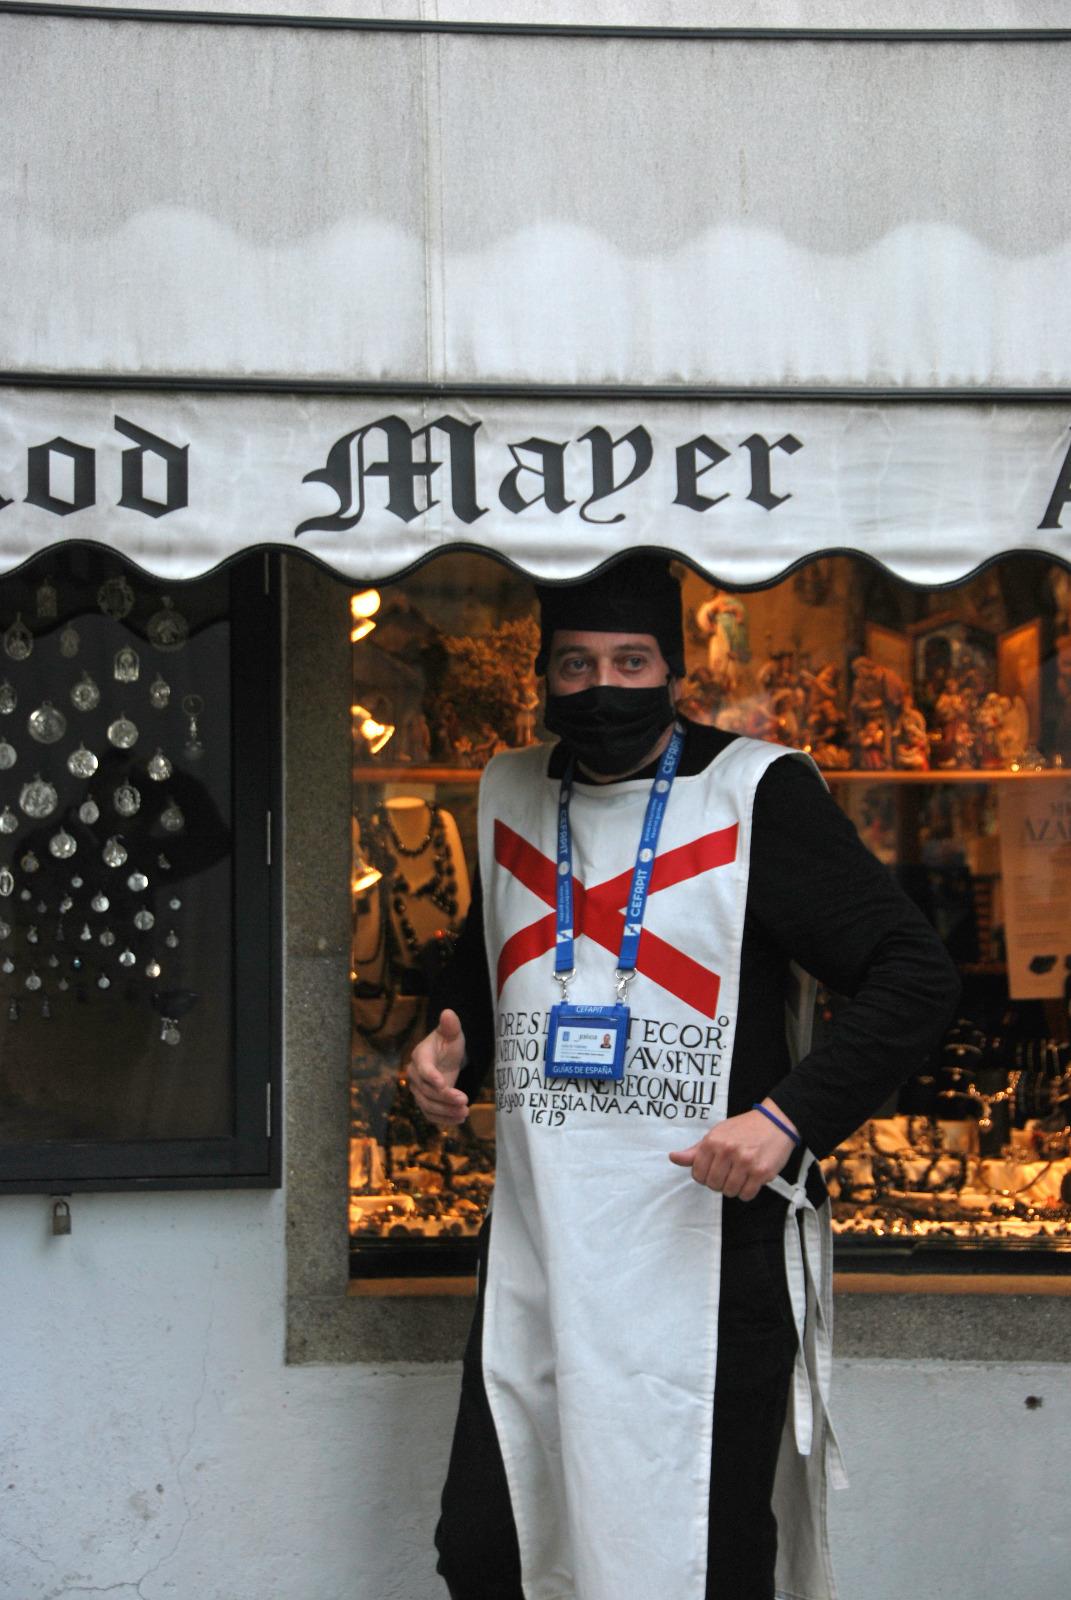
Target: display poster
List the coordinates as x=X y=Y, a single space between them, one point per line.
x=371 y=485
x=1035 y=859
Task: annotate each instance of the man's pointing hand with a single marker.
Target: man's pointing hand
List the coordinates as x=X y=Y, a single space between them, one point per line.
x=433 y=1069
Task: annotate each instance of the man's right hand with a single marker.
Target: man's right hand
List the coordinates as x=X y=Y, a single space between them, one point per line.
x=433 y=1069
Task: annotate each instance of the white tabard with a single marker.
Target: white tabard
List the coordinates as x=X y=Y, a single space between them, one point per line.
x=601 y=1313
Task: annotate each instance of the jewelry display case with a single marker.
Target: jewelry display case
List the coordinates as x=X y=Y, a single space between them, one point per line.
x=136 y=997
x=941 y=723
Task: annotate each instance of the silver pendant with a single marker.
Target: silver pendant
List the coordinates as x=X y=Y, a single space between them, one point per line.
x=153 y=968
x=114 y=852
x=168 y=628
x=7 y=881
x=127 y=958
x=169 y=1030
x=62 y=845
x=126 y=800
x=100 y=901
x=13 y=1010
x=175 y=903
x=122 y=733
x=137 y=882
x=172 y=818
x=76 y=883
x=53 y=960
x=193 y=705
x=63 y=984
x=8 y=755
x=86 y=933
x=107 y=938
x=46 y=725
x=115 y=598
x=163 y=863
x=8 y=698
x=65 y=904
x=89 y=811
x=24 y=894
x=18 y=641
x=172 y=939
x=143 y=921
x=7 y=965
x=69 y=642
x=33 y=981
x=159 y=767
x=126 y=668
x=104 y=982
x=38 y=799
x=32 y=935
x=5 y=930
x=85 y=696
x=8 y=820
x=159 y=694
x=46 y=600
x=29 y=862
x=41 y=908
x=82 y=762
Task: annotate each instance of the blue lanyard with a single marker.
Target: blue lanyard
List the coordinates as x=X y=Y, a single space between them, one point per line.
x=636 y=904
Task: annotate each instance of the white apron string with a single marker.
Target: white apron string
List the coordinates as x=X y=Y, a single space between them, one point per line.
x=803 y=1264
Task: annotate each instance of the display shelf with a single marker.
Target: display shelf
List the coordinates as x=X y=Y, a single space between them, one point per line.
x=368 y=772
x=365 y=772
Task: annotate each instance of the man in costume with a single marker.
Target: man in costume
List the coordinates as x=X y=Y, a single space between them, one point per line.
x=643 y=1397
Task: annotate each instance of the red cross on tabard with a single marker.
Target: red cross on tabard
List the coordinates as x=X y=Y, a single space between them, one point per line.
x=599 y=912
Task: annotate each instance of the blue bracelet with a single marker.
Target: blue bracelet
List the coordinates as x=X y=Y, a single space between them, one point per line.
x=777 y=1122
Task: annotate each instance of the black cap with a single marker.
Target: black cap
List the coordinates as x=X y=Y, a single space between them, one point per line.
x=638 y=594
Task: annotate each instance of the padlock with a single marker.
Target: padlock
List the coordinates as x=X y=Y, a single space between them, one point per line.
x=61 y=1218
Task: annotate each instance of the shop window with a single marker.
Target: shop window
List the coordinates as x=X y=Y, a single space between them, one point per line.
x=137 y=1037
x=942 y=723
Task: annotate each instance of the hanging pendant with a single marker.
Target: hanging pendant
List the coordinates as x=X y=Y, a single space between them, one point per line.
x=100 y=901
x=13 y=1011
x=172 y=939
x=7 y=965
x=126 y=668
x=163 y=863
x=38 y=799
x=159 y=767
x=5 y=930
x=8 y=698
x=107 y=938
x=85 y=695
x=153 y=968
x=7 y=881
x=18 y=641
x=89 y=811
x=63 y=984
x=46 y=725
x=24 y=894
x=76 y=883
x=143 y=920
x=69 y=642
x=137 y=882
x=115 y=598
x=8 y=756
x=86 y=933
x=127 y=958
x=8 y=820
x=46 y=600
x=53 y=960
x=175 y=903
x=122 y=733
x=63 y=845
x=104 y=982
x=168 y=628
x=82 y=763
x=126 y=800
x=29 y=862
x=159 y=694
x=172 y=818
x=66 y=904
x=169 y=1030
x=114 y=852
x=33 y=980
x=46 y=1009
x=41 y=908
x=193 y=705
x=32 y=935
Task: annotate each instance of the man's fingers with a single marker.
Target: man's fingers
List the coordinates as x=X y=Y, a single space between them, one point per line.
x=449 y=1027
x=683 y=1158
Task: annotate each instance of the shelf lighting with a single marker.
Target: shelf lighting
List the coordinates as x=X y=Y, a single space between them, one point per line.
x=363 y=608
x=364 y=876
x=375 y=734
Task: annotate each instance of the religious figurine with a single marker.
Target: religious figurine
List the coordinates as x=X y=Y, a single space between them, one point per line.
x=826 y=724
x=878 y=696
x=911 y=743
x=722 y=622
x=952 y=740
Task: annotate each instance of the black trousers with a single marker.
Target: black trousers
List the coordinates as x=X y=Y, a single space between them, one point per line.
x=476 y=1538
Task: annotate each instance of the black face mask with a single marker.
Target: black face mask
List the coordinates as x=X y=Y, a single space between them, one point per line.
x=609 y=729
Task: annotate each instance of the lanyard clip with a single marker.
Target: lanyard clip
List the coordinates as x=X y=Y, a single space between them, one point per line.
x=623 y=978
x=564 y=979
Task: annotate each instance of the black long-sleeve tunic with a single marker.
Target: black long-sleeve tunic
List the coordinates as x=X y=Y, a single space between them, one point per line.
x=816 y=896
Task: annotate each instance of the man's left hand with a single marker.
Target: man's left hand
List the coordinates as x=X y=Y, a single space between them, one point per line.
x=739 y=1155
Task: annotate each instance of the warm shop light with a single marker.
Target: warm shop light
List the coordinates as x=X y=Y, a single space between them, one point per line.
x=364 y=876
x=375 y=734
x=363 y=608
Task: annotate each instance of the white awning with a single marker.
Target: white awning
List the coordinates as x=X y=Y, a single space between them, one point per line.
x=743 y=489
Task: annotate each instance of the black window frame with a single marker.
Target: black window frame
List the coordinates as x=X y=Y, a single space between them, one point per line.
x=251 y=1156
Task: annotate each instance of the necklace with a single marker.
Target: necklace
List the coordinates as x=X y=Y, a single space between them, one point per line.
x=434 y=822
x=440 y=888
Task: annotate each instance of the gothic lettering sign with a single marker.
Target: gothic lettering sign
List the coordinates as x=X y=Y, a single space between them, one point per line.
x=743 y=489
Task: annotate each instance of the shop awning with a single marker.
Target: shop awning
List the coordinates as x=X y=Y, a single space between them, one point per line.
x=372 y=484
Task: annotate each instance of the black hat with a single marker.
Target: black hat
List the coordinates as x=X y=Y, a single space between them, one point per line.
x=638 y=594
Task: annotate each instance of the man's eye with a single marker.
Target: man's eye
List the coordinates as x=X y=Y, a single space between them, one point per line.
x=574 y=664
x=635 y=663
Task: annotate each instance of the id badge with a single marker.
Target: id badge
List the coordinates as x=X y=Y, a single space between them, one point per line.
x=586 y=1042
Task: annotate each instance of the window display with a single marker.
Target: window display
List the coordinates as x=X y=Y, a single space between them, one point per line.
x=941 y=724
x=119 y=888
